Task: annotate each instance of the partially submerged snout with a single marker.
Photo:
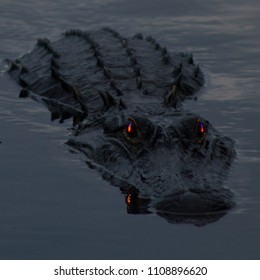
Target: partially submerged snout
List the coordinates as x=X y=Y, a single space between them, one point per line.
x=180 y=165
x=195 y=206
x=195 y=201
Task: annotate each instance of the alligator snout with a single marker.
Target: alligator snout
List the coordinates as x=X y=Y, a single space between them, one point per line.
x=195 y=206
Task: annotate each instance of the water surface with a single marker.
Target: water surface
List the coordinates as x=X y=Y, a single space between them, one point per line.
x=52 y=206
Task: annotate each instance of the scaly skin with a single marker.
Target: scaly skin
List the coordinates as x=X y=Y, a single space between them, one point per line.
x=125 y=97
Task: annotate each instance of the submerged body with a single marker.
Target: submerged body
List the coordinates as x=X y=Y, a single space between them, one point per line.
x=125 y=97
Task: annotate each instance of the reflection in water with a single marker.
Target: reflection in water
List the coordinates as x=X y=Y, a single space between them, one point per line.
x=136 y=205
x=166 y=160
x=224 y=37
x=165 y=209
x=197 y=206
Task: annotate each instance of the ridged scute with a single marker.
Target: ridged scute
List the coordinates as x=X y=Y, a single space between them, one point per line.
x=76 y=71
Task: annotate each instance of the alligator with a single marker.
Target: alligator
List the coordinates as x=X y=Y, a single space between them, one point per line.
x=125 y=97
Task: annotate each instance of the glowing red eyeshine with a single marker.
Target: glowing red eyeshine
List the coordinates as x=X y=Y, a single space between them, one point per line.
x=129 y=128
x=202 y=128
x=129 y=199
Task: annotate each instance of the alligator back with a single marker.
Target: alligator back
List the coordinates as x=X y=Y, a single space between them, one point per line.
x=87 y=72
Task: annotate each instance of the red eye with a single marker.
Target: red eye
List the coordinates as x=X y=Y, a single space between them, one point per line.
x=200 y=131
x=131 y=129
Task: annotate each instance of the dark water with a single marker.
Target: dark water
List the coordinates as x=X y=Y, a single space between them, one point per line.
x=52 y=206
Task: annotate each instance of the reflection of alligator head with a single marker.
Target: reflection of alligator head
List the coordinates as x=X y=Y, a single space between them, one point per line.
x=125 y=99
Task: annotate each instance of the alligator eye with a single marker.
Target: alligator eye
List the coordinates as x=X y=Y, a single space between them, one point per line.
x=131 y=130
x=200 y=130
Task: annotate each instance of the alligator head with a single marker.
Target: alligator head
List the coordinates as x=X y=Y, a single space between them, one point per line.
x=178 y=162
